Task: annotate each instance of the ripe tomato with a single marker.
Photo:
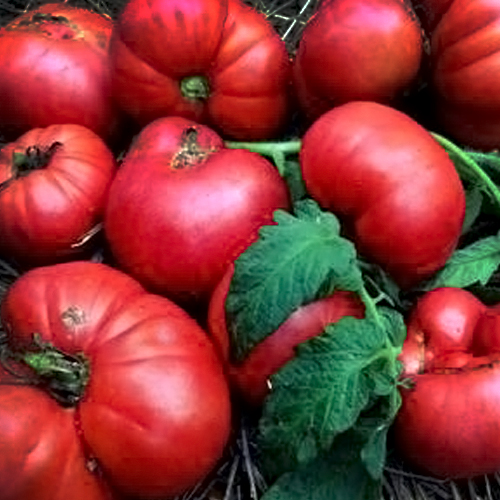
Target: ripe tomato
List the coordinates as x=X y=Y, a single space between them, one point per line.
x=40 y=453
x=449 y=420
x=465 y=63
x=149 y=405
x=218 y=62
x=55 y=182
x=54 y=68
x=182 y=207
x=394 y=187
x=250 y=377
x=357 y=50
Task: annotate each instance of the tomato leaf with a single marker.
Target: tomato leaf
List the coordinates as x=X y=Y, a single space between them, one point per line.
x=335 y=475
x=472 y=264
x=323 y=391
x=295 y=261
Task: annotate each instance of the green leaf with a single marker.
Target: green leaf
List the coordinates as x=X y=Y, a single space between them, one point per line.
x=335 y=475
x=474 y=203
x=295 y=261
x=472 y=264
x=324 y=389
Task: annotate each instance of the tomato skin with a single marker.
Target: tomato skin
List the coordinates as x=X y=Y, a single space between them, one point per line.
x=41 y=456
x=156 y=390
x=250 y=377
x=45 y=213
x=55 y=61
x=357 y=50
x=175 y=222
x=230 y=45
x=393 y=186
x=465 y=64
x=449 y=422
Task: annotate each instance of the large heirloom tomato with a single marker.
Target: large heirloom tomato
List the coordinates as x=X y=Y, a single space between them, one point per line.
x=394 y=187
x=54 y=185
x=54 y=68
x=148 y=406
x=449 y=422
x=465 y=59
x=182 y=207
x=218 y=62
x=357 y=50
x=250 y=377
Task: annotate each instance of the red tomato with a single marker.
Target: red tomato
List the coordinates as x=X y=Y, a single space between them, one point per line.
x=465 y=59
x=250 y=378
x=55 y=69
x=40 y=453
x=218 y=62
x=357 y=50
x=182 y=207
x=394 y=187
x=153 y=416
x=55 y=184
x=449 y=422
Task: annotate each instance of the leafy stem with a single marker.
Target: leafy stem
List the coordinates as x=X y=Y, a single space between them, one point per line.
x=277 y=151
x=469 y=169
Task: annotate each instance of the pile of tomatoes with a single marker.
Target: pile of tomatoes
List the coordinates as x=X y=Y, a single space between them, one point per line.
x=138 y=167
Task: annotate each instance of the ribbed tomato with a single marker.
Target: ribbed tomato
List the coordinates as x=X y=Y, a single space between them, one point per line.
x=218 y=62
x=54 y=185
x=147 y=409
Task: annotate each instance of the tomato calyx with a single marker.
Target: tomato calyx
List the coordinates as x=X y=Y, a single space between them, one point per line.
x=64 y=376
x=195 y=88
x=33 y=158
x=190 y=152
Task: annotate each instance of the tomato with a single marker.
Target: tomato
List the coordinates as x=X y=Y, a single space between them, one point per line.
x=431 y=11
x=55 y=69
x=395 y=189
x=149 y=404
x=55 y=182
x=448 y=425
x=465 y=63
x=357 y=50
x=250 y=377
x=218 y=62
x=41 y=455
x=182 y=207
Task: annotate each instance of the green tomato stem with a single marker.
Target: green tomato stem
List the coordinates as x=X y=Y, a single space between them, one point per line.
x=276 y=151
x=195 y=88
x=469 y=169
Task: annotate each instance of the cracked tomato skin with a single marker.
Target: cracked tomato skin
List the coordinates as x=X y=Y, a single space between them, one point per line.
x=449 y=422
x=55 y=69
x=354 y=50
x=465 y=62
x=240 y=66
x=390 y=182
x=47 y=212
x=155 y=414
x=182 y=207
